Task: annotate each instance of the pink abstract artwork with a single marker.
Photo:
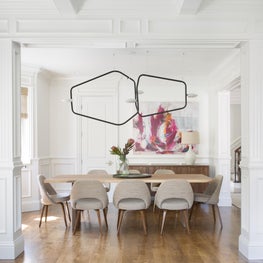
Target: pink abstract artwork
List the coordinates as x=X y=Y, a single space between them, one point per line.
x=161 y=133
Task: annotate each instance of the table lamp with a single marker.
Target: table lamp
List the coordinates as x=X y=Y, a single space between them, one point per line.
x=190 y=138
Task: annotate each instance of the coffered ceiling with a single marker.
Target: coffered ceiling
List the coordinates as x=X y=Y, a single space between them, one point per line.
x=188 y=39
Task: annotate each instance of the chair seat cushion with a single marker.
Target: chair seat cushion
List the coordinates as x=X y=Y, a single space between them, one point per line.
x=88 y=203
x=174 y=204
x=132 y=204
x=201 y=198
x=60 y=197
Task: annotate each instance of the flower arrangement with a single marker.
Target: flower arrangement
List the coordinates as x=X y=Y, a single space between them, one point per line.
x=123 y=152
x=123 y=165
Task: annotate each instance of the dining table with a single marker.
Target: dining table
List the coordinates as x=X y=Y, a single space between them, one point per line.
x=116 y=178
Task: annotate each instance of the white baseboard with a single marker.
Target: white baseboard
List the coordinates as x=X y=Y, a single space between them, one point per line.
x=12 y=249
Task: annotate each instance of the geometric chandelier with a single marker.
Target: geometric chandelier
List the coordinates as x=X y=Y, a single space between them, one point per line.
x=133 y=89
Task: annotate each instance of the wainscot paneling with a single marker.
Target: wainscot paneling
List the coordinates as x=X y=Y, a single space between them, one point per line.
x=62 y=166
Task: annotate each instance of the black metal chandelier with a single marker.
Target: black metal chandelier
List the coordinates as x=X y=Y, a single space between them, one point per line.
x=135 y=86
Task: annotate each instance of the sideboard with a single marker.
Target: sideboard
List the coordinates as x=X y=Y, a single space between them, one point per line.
x=178 y=169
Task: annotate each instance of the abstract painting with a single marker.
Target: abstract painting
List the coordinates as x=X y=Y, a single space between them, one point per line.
x=161 y=133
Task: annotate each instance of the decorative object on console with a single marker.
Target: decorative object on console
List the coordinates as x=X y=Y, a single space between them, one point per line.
x=190 y=138
x=122 y=153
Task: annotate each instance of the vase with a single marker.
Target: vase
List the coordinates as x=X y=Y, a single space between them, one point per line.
x=123 y=165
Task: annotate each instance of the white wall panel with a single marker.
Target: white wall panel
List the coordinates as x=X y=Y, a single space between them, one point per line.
x=17 y=202
x=3 y=26
x=258 y=205
x=130 y=26
x=44 y=167
x=63 y=166
x=3 y=204
x=26 y=175
x=185 y=26
x=69 y=26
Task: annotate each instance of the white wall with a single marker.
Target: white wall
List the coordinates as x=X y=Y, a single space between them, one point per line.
x=62 y=126
x=235 y=121
x=43 y=110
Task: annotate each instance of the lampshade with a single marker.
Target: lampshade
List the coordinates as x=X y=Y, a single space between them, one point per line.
x=190 y=137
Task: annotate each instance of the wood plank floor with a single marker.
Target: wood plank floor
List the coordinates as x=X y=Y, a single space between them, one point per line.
x=205 y=244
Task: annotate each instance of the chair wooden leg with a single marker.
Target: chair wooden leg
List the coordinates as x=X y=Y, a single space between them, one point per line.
x=144 y=221
x=42 y=212
x=98 y=214
x=177 y=214
x=46 y=213
x=154 y=205
x=64 y=213
x=120 y=220
x=219 y=215
x=105 y=211
x=191 y=210
x=186 y=219
x=159 y=217
x=76 y=222
x=163 y=220
x=214 y=214
x=69 y=217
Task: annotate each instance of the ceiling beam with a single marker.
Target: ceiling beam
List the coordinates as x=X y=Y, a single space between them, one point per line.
x=68 y=7
x=188 y=6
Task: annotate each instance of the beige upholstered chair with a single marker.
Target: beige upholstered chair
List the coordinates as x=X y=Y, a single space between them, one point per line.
x=176 y=195
x=49 y=196
x=131 y=195
x=103 y=172
x=89 y=195
x=154 y=186
x=210 y=196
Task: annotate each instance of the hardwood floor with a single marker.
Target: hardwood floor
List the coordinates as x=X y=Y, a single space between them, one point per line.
x=205 y=243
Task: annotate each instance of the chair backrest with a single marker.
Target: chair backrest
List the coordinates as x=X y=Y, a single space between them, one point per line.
x=46 y=190
x=133 y=189
x=97 y=171
x=88 y=189
x=164 y=171
x=213 y=189
x=175 y=189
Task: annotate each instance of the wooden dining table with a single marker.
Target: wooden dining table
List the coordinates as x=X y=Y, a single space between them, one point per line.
x=154 y=178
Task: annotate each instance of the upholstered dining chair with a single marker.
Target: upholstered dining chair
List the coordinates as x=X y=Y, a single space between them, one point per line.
x=154 y=186
x=103 y=172
x=89 y=195
x=176 y=195
x=132 y=195
x=210 y=197
x=49 y=196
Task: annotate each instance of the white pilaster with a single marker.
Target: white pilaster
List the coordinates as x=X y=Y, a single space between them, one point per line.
x=251 y=238
x=223 y=161
x=11 y=238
